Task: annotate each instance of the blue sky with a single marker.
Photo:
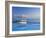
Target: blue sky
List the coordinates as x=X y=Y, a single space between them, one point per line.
x=26 y=11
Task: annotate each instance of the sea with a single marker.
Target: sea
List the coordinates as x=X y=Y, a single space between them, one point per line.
x=32 y=25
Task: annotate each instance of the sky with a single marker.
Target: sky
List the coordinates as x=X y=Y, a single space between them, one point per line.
x=35 y=12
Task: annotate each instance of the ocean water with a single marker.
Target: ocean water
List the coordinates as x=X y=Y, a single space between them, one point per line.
x=34 y=25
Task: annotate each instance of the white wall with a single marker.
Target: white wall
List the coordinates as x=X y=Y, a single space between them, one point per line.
x=2 y=19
